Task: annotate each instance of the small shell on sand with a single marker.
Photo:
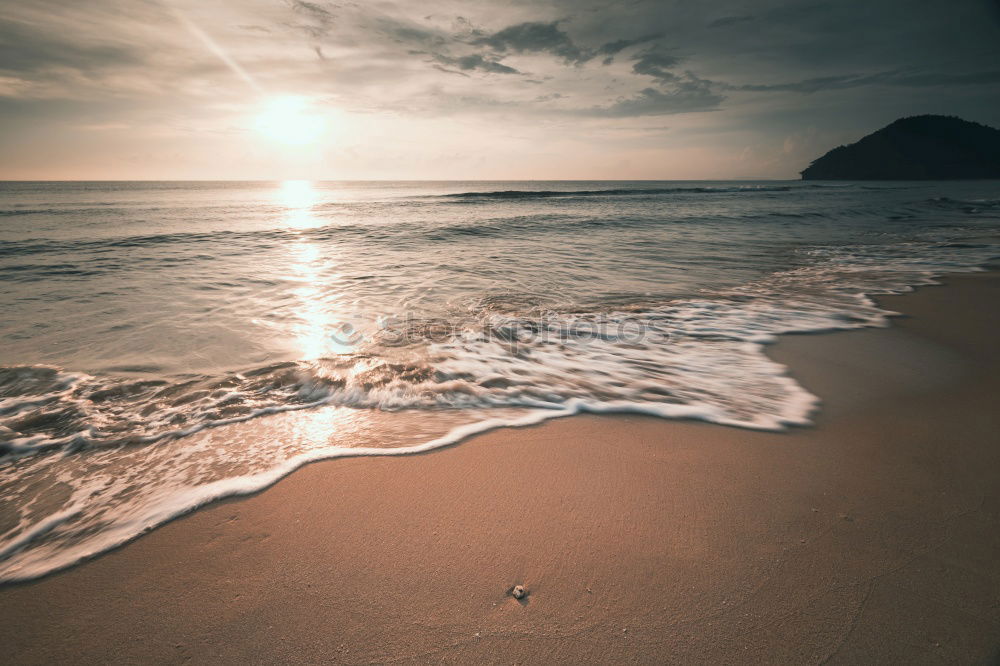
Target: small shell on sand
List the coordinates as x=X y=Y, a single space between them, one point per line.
x=519 y=592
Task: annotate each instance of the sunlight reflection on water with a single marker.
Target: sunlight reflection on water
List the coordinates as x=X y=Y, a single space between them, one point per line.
x=298 y=197
x=316 y=294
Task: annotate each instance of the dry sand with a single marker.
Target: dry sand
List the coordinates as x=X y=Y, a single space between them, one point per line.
x=874 y=536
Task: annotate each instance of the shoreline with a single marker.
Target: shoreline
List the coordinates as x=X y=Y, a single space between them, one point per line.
x=793 y=530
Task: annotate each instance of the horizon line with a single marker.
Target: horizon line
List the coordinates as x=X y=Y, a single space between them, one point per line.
x=388 y=180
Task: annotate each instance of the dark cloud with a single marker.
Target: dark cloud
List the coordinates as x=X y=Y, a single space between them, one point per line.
x=619 y=45
x=656 y=63
x=686 y=95
x=550 y=38
x=812 y=85
x=407 y=33
x=538 y=38
x=475 y=62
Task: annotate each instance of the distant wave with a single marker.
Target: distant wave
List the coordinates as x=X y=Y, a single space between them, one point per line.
x=33 y=246
x=7 y=212
x=546 y=194
x=332 y=227
x=964 y=204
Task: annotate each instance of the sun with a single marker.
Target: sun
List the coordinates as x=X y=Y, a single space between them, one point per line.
x=290 y=120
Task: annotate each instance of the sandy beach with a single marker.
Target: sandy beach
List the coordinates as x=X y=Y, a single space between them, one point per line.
x=872 y=537
x=469 y=332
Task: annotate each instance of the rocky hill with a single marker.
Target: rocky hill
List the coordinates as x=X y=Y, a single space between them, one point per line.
x=915 y=148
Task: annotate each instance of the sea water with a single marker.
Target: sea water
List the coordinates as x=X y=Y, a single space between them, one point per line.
x=164 y=344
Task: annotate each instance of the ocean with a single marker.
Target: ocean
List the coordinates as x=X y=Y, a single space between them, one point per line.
x=165 y=344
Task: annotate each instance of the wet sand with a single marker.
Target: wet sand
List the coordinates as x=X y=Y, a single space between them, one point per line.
x=873 y=536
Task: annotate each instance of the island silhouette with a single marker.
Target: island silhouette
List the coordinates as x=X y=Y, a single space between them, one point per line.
x=924 y=147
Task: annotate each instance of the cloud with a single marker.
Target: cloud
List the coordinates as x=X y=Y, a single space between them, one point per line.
x=656 y=63
x=536 y=37
x=610 y=49
x=812 y=85
x=319 y=19
x=687 y=94
x=316 y=21
x=311 y=8
x=892 y=78
x=475 y=61
x=928 y=79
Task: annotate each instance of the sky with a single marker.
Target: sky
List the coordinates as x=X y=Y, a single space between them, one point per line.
x=470 y=89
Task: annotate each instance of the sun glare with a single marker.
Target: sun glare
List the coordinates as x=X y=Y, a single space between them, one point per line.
x=290 y=120
x=298 y=198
